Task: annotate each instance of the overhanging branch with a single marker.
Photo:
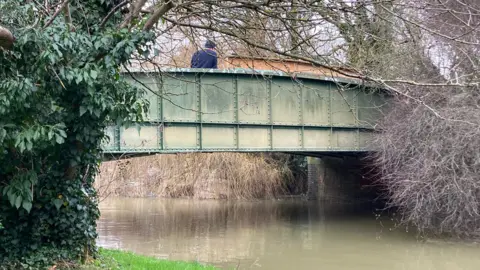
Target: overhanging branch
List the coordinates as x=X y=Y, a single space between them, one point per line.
x=115 y=9
x=55 y=15
x=157 y=14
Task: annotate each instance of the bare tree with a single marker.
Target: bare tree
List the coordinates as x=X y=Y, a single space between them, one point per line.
x=424 y=52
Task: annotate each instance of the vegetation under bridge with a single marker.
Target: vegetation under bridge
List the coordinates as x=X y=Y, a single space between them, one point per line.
x=245 y=110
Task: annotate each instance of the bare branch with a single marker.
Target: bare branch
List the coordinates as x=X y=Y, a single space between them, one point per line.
x=115 y=9
x=157 y=14
x=135 y=10
x=55 y=15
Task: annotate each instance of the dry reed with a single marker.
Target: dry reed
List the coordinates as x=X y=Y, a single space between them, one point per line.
x=197 y=175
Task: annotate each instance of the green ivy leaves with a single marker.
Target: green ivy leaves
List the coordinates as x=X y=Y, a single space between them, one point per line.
x=58 y=90
x=58 y=203
x=20 y=190
x=28 y=136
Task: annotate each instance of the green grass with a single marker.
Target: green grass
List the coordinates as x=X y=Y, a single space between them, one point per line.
x=118 y=259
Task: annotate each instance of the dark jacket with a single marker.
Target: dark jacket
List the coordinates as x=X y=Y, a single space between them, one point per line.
x=204 y=59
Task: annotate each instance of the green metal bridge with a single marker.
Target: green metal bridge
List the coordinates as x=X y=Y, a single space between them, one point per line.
x=241 y=110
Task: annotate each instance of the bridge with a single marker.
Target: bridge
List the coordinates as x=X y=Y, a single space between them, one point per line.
x=328 y=118
x=244 y=110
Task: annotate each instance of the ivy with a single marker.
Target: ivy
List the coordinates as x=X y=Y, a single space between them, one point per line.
x=58 y=90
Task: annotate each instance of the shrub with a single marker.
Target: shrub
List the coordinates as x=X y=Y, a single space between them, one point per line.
x=430 y=165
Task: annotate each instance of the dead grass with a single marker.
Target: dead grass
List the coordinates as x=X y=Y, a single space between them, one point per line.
x=197 y=175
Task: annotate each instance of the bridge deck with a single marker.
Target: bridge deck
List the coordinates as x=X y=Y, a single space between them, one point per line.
x=245 y=111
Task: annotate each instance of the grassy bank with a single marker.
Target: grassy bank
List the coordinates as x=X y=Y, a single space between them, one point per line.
x=117 y=259
x=201 y=176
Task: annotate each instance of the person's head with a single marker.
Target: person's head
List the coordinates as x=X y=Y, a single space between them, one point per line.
x=210 y=44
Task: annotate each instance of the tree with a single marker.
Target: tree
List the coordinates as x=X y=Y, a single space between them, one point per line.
x=59 y=87
x=428 y=158
x=425 y=53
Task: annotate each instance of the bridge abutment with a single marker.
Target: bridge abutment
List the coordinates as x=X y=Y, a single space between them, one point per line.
x=336 y=181
x=315 y=168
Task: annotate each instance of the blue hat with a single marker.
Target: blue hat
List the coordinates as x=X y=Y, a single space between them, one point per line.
x=210 y=44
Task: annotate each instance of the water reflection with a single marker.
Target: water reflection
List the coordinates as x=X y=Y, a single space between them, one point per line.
x=270 y=235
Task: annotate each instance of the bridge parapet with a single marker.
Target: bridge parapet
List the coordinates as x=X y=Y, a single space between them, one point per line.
x=250 y=111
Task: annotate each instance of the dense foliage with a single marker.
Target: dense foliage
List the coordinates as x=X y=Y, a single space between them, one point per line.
x=59 y=87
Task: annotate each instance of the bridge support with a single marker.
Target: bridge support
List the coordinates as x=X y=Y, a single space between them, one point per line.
x=316 y=174
x=336 y=181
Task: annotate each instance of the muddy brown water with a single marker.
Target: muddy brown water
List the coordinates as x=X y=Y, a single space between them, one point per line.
x=272 y=235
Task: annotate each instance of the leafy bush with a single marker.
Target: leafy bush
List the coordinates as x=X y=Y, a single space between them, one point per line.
x=59 y=87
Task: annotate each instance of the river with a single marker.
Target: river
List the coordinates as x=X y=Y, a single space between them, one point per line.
x=271 y=235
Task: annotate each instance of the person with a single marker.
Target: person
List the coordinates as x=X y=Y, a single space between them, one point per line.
x=205 y=58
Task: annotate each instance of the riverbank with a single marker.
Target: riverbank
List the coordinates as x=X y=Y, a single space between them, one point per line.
x=203 y=176
x=112 y=259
